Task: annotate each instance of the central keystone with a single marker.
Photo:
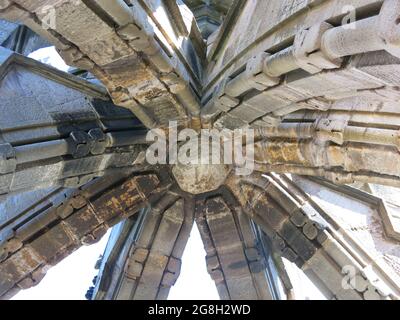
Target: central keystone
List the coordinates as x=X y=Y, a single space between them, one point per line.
x=202 y=178
x=202 y=175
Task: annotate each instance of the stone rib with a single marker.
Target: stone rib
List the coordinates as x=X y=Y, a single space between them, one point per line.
x=79 y=218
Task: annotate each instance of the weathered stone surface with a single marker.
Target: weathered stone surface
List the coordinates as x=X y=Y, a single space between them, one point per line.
x=151 y=258
x=105 y=205
x=234 y=261
x=313 y=243
x=200 y=175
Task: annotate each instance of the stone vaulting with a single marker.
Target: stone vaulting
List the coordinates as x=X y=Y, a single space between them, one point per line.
x=318 y=81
